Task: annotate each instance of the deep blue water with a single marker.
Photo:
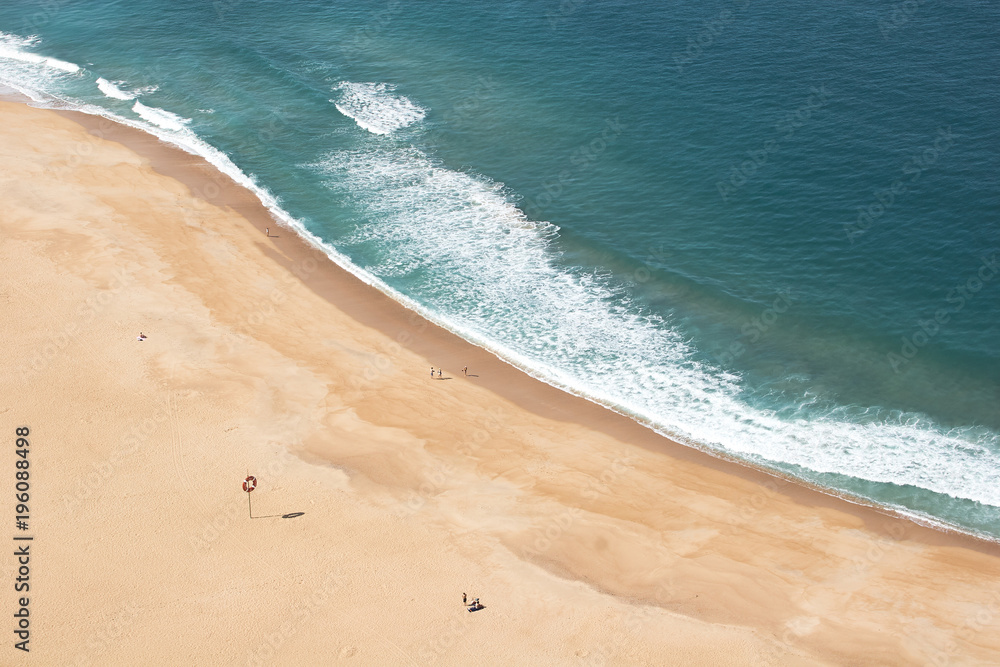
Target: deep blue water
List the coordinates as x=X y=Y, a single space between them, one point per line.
x=768 y=231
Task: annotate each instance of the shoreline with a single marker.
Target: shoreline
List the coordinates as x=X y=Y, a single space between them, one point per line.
x=264 y=355
x=193 y=170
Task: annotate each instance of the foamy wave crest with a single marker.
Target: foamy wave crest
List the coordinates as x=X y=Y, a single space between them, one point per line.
x=9 y=40
x=164 y=119
x=12 y=47
x=27 y=72
x=494 y=277
x=375 y=107
x=113 y=91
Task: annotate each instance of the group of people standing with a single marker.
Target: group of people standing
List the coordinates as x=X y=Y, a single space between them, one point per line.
x=465 y=371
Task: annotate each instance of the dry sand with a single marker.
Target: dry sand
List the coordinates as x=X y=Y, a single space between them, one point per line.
x=383 y=494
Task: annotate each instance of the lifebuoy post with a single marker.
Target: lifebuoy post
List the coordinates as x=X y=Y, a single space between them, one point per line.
x=249 y=484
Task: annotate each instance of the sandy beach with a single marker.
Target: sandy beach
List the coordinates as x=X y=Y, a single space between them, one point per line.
x=384 y=494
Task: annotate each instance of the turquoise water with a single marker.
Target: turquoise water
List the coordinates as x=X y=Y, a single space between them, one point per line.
x=769 y=232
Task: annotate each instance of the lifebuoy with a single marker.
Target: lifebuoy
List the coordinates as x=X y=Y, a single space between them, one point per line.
x=250 y=483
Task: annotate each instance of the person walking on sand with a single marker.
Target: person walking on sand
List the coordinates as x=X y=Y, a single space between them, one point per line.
x=439 y=374
x=267 y=232
x=465 y=370
x=465 y=600
x=432 y=371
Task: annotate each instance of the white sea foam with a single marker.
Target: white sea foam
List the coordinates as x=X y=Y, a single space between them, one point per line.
x=27 y=72
x=14 y=47
x=494 y=277
x=375 y=107
x=61 y=64
x=165 y=119
x=113 y=91
x=11 y=41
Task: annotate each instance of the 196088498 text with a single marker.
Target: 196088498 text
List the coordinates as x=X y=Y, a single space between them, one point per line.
x=22 y=543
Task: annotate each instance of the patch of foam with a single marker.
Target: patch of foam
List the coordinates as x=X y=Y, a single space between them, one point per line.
x=13 y=47
x=11 y=41
x=375 y=107
x=165 y=119
x=29 y=73
x=113 y=91
x=28 y=92
x=494 y=277
x=61 y=64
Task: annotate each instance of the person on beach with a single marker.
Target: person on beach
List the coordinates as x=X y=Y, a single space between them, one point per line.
x=141 y=337
x=465 y=370
x=464 y=600
x=439 y=374
x=267 y=232
x=432 y=371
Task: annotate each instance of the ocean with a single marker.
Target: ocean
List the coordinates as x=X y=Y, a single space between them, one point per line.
x=772 y=233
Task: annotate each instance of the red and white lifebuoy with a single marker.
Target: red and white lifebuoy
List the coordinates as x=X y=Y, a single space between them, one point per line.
x=250 y=483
